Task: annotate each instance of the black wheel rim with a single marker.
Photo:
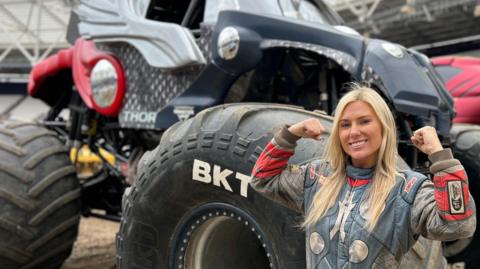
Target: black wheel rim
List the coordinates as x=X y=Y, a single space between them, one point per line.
x=208 y=236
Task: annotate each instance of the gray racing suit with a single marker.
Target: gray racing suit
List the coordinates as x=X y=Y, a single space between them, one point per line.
x=442 y=209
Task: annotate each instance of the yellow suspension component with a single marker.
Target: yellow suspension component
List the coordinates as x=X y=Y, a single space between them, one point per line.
x=87 y=162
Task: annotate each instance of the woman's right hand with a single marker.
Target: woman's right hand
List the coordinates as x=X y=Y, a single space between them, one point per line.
x=309 y=128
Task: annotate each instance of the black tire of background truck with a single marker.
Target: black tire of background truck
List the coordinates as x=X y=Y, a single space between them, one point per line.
x=39 y=198
x=466 y=148
x=172 y=221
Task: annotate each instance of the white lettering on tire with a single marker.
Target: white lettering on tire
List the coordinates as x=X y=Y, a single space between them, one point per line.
x=220 y=177
x=202 y=172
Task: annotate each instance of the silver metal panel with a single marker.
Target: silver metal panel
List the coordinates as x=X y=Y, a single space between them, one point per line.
x=163 y=45
x=343 y=59
x=150 y=89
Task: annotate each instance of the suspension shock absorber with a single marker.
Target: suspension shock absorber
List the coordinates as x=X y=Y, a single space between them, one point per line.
x=77 y=112
x=404 y=125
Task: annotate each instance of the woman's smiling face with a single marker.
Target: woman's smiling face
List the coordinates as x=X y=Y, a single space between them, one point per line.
x=360 y=133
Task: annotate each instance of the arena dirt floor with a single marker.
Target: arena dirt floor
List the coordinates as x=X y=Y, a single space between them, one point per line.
x=95 y=246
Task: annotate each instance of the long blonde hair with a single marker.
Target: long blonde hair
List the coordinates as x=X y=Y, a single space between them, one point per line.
x=385 y=169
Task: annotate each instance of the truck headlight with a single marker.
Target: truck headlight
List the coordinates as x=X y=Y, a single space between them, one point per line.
x=104 y=83
x=228 y=43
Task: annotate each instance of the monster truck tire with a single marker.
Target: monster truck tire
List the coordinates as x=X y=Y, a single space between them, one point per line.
x=171 y=220
x=180 y=214
x=39 y=198
x=466 y=148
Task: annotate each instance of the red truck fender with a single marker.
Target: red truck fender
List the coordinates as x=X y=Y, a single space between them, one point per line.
x=48 y=68
x=81 y=58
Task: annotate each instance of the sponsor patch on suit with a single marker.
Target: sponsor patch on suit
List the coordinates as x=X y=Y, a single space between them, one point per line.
x=455 y=197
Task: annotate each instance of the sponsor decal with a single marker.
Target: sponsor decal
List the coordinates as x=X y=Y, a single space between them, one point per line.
x=183 y=112
x=203 y=172
x=409 y=184
x=295 y=168
x=140 y=116
x=455 y=197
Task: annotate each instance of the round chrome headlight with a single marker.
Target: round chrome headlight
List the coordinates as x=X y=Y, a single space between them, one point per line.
x=392 y=49
x=104 y=82
x=228 y=43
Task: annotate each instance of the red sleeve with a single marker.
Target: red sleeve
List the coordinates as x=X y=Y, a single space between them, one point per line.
x=452 y=195
x=272 y=161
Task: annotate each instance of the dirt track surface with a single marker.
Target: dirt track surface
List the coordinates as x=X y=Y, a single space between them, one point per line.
x=95 y=245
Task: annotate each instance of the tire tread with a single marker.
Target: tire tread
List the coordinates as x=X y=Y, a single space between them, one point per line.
x=62 y=227
x=43 y=154
x=15 y=228
x=20 y=141
x=54 y=206
x=30 y=235
x=12 y=149
x=22 y=175
x=17 y=200
x=14 y=254
x=63 y=248
x=50 y=179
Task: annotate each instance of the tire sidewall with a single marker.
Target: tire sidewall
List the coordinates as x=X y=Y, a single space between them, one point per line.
x=165 y=192
x=274 y=219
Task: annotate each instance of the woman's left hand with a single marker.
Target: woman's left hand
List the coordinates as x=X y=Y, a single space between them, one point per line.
x=426 y=140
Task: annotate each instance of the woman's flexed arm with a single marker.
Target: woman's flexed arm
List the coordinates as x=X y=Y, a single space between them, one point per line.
x=272 y=176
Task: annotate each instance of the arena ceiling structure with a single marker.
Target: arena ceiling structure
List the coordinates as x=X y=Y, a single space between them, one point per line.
x=30 y=30
x=435 y=27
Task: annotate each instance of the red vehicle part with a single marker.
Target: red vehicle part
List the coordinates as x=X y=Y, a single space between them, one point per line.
x=47 y=68
x=81 y=58
x=462 y=78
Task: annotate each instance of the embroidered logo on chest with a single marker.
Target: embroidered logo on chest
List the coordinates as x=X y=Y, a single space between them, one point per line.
x=344 y=209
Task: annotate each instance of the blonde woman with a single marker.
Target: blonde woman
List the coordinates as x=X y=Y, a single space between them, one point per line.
x=360 y=212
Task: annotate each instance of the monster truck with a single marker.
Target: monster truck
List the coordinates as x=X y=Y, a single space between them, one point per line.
x=462 y=79
x=137 y=73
